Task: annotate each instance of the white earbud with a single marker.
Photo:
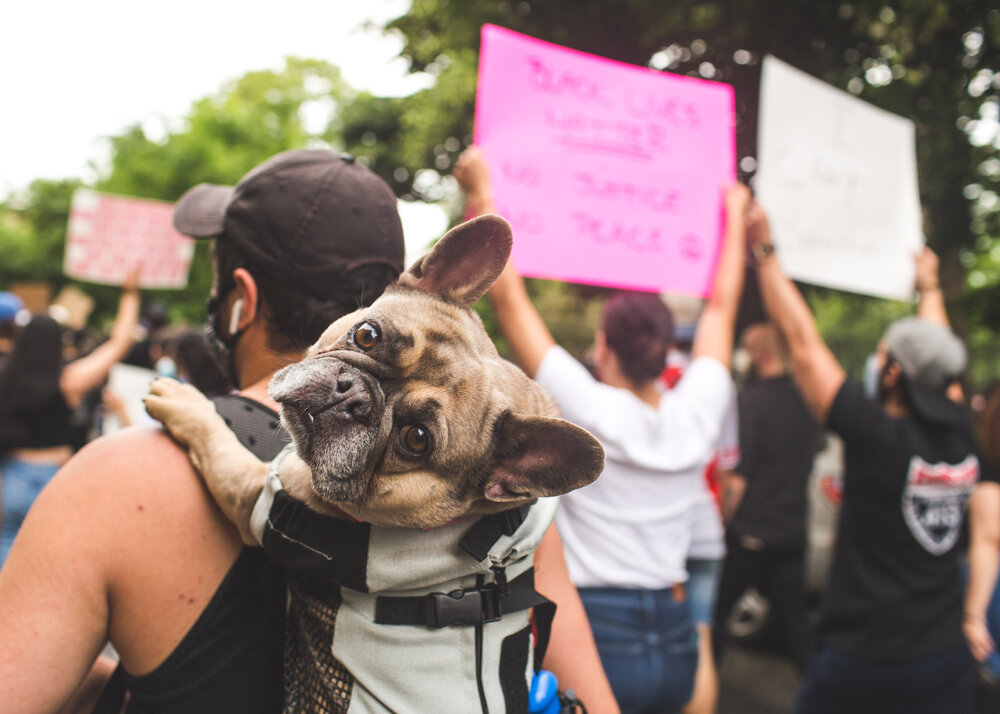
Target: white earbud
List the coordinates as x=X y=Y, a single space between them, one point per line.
x=234 y=316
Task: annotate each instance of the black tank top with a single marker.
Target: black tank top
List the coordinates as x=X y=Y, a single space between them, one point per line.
x=231 y=658
x=49 y=426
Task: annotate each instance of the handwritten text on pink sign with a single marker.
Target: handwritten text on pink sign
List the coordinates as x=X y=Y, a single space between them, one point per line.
x=610 y=174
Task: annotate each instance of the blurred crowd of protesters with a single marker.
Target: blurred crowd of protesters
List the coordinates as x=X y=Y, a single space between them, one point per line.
x=891 y=622
x=705 y=488
x=54 y=393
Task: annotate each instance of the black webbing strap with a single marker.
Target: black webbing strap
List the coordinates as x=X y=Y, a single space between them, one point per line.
x=488 y=529
x=471 y=606
x=543 y=614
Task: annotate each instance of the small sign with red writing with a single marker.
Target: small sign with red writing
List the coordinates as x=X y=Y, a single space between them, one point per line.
x=109 y=235
x=609 y=173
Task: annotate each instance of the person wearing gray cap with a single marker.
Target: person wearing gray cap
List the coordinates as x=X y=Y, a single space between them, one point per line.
x=127 y=545
x=890 y=633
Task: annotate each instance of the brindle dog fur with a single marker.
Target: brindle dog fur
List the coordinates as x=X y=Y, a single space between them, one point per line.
x=402 y=413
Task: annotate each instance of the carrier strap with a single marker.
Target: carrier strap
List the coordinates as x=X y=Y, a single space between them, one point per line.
x=489 y=529
x=471 y=606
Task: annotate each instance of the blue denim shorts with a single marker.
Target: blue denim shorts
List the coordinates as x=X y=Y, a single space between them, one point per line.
x=647 y=644
x=21 y=482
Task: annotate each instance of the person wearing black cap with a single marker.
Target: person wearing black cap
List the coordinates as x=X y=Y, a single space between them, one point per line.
x=127 y=545
x=890 y=633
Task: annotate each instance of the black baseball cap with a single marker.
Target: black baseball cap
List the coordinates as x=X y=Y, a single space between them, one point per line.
x=316 y=221
x=931 y=357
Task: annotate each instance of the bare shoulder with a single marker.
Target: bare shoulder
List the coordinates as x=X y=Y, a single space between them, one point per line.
x=151 y=535
x=129 y=461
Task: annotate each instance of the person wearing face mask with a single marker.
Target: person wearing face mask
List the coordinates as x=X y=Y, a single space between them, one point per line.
x=890 y=634
x=127 y=546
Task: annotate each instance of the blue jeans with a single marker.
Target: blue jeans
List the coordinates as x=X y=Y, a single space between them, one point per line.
x=836 y=683
x=21 y=482
x=702 y=587
x=647 y=645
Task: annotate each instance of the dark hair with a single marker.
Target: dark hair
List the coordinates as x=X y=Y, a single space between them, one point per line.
x=297 y=319
x=30 y=376
x=199 y=365
x=639 y=330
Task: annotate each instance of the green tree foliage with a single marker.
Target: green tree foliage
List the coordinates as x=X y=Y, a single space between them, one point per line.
x=33 y=236
x=221 y=138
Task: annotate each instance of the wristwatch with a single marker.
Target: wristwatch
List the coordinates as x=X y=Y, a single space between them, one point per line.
x=761 y=252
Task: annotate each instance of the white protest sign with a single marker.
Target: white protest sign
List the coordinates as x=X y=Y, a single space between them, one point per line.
x=130 y=384
x=838 y=179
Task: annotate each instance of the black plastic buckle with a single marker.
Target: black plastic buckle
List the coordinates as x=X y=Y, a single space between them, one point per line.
x=466 y=607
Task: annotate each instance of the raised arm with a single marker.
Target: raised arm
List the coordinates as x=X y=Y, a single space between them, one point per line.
x=931 y=305
x=522 y=326
x=984 y=564
x=714 y=335
x=814 y=367
x=82 y=375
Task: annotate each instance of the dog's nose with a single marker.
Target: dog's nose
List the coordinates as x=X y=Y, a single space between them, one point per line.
x=352 y=397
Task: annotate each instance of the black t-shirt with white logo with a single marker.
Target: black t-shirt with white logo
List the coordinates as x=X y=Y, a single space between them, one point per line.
x=895 y=589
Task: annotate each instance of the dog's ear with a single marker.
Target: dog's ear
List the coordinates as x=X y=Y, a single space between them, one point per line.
x=465 y=262
x=539 y=456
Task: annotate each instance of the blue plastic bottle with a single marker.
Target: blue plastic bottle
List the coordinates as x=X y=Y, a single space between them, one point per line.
x=543 y=697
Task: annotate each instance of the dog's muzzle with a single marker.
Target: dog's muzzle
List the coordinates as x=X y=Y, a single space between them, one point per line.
x=325 y=391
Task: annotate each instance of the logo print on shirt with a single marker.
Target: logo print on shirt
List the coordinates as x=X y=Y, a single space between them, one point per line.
x=934 y=501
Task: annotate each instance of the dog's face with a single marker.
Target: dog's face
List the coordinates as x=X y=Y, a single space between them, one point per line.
x=407 y=415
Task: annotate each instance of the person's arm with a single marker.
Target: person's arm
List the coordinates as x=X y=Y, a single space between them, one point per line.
x=714 y=335
x=114 y=406
x=814 y=367
x=984 y=565
x=85 y=698
x=53 y=604
x=522 y=326
x=572 y=654
x=81 y=376
x=124 y=544
x=931 y=304
x=732 y=485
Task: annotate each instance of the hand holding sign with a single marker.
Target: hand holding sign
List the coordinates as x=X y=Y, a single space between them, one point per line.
x=609 y=173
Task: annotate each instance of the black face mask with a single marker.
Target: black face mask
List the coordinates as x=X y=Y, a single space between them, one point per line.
x=220 y=347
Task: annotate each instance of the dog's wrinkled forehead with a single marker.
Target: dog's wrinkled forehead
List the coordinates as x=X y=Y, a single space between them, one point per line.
x=410 y=330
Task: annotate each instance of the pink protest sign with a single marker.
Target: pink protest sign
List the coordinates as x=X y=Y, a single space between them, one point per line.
x=609 y=173
x=108 y=235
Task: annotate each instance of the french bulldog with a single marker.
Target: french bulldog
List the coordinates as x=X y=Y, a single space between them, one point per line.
x=402 y=413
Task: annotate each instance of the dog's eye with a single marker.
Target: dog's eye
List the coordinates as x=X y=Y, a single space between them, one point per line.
x=366 y=335
x=415 y=438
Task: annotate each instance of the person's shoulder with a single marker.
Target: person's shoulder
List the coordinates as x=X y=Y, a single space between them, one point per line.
x=559 y=371
x=130 y=453
x=706 y=374
x=135 y=464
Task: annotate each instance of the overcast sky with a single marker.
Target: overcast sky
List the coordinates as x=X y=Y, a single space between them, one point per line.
x=76 y=72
